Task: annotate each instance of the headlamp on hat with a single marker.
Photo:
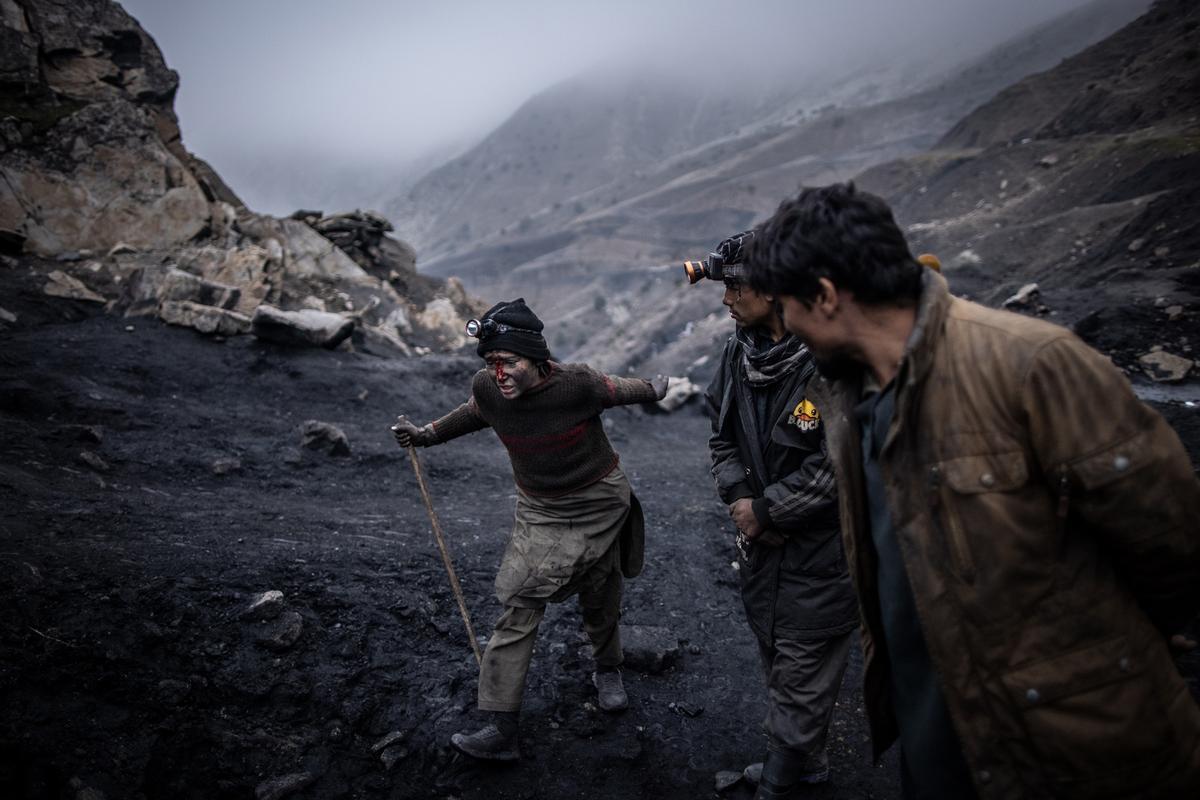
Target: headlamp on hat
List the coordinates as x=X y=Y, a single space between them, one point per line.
x=487 y=328
x=725 y=263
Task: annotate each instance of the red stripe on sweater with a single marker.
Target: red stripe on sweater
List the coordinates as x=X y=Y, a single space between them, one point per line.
x=547 y=443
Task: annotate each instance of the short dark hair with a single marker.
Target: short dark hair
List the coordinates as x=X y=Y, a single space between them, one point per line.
x=839 y=233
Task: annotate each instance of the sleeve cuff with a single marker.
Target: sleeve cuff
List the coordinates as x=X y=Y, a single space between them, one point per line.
x=738 y=492
x=760 y=508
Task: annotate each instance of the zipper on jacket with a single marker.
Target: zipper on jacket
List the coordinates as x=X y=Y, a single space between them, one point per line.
x=956 y=539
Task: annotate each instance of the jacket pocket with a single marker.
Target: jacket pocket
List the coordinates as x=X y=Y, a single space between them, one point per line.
x=953 y=483
x=1116 y=462
x=1090 y=718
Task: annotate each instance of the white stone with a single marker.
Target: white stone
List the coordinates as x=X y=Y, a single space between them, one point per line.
x=266 y=605
x=206 y=319
x=306 y=327
x=1024 y=296
x=60 y=284
x=1165 y=367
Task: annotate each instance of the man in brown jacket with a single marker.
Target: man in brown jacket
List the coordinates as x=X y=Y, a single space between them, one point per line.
x=1020 y=528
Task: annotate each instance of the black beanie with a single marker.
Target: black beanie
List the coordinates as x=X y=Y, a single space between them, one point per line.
x=517 y=330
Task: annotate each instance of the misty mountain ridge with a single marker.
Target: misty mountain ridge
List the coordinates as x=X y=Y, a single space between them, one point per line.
x=574 y=147
x=582 y=254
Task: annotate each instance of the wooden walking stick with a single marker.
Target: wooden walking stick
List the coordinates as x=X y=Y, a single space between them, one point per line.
x=441 y=543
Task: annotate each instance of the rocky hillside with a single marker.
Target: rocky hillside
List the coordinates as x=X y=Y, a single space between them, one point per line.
x=1084 y=179
x=99 y=196
x=582 y=254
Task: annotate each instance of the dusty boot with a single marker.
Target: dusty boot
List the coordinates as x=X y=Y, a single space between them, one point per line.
x=610 y=689
x=752 y=774
x=494 y=742
x=784 y=771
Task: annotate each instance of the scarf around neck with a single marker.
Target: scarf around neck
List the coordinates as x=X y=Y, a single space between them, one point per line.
x=766 y=362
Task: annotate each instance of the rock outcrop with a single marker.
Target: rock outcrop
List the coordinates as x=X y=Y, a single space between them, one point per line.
x=90 y=147
x=93 y=174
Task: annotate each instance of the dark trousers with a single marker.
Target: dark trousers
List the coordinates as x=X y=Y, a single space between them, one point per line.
x=803 y=681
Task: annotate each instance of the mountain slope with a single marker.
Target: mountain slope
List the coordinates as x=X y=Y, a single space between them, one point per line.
x=1085 y=177
x=583 y=260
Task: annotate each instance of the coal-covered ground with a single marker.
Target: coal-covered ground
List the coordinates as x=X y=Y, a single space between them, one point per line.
x=152 y=484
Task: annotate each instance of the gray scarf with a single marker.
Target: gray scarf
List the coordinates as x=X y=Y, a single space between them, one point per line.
x=766 y=365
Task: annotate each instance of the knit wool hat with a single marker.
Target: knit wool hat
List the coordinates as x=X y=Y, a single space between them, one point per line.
x=517 y=329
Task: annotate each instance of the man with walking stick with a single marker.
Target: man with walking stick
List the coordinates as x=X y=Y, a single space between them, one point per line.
x=578 y=527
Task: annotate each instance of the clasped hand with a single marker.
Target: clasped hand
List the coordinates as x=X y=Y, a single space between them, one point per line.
x=409 y=435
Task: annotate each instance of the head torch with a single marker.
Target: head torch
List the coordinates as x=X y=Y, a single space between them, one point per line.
x=723 y=264
x=487 y=328
x=714 y=268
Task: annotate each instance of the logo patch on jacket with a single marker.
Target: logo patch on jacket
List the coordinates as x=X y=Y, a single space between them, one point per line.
x=805 y=416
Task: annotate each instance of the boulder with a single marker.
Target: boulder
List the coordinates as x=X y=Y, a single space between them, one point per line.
x=205 y=319
x=1024 y=297
x=283 y=632
x=304 y=328
x=89 y=143
x=1166 y=367
x=309 y=254
x=60 y=284
x=250 y=269
x=150 y=287
x=324 y=437
x=441 y=318
x=266 y=605
x=103 y=178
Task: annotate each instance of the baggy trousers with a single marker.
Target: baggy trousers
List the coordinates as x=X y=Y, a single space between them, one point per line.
x=506 y=659
x=561 y=546
x=803 y=680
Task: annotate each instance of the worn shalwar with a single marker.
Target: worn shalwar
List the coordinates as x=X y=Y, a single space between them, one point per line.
x=578 y=527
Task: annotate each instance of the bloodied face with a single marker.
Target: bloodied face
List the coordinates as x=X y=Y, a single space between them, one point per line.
x=513 y=374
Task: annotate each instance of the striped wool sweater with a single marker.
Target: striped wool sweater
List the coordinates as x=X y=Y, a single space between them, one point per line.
x=552 y=431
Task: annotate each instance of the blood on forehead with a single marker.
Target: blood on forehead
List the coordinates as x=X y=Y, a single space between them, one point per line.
x=501 y=363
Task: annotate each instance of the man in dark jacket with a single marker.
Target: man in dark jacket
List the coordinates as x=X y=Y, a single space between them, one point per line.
x=771 y=468
x=1021 y=529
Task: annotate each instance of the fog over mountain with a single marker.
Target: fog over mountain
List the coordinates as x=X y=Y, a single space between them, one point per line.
x=315 y=104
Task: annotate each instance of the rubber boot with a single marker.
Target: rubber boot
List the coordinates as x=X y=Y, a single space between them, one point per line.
x=784 y=771
x=496 y=741
x=610 y=689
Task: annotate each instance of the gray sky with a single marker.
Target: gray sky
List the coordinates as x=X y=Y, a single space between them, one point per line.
x=360 y=80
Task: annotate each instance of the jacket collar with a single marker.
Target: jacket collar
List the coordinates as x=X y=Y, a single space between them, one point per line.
x=932 y=309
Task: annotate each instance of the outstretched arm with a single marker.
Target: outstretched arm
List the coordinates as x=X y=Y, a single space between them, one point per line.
x=624 y=391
